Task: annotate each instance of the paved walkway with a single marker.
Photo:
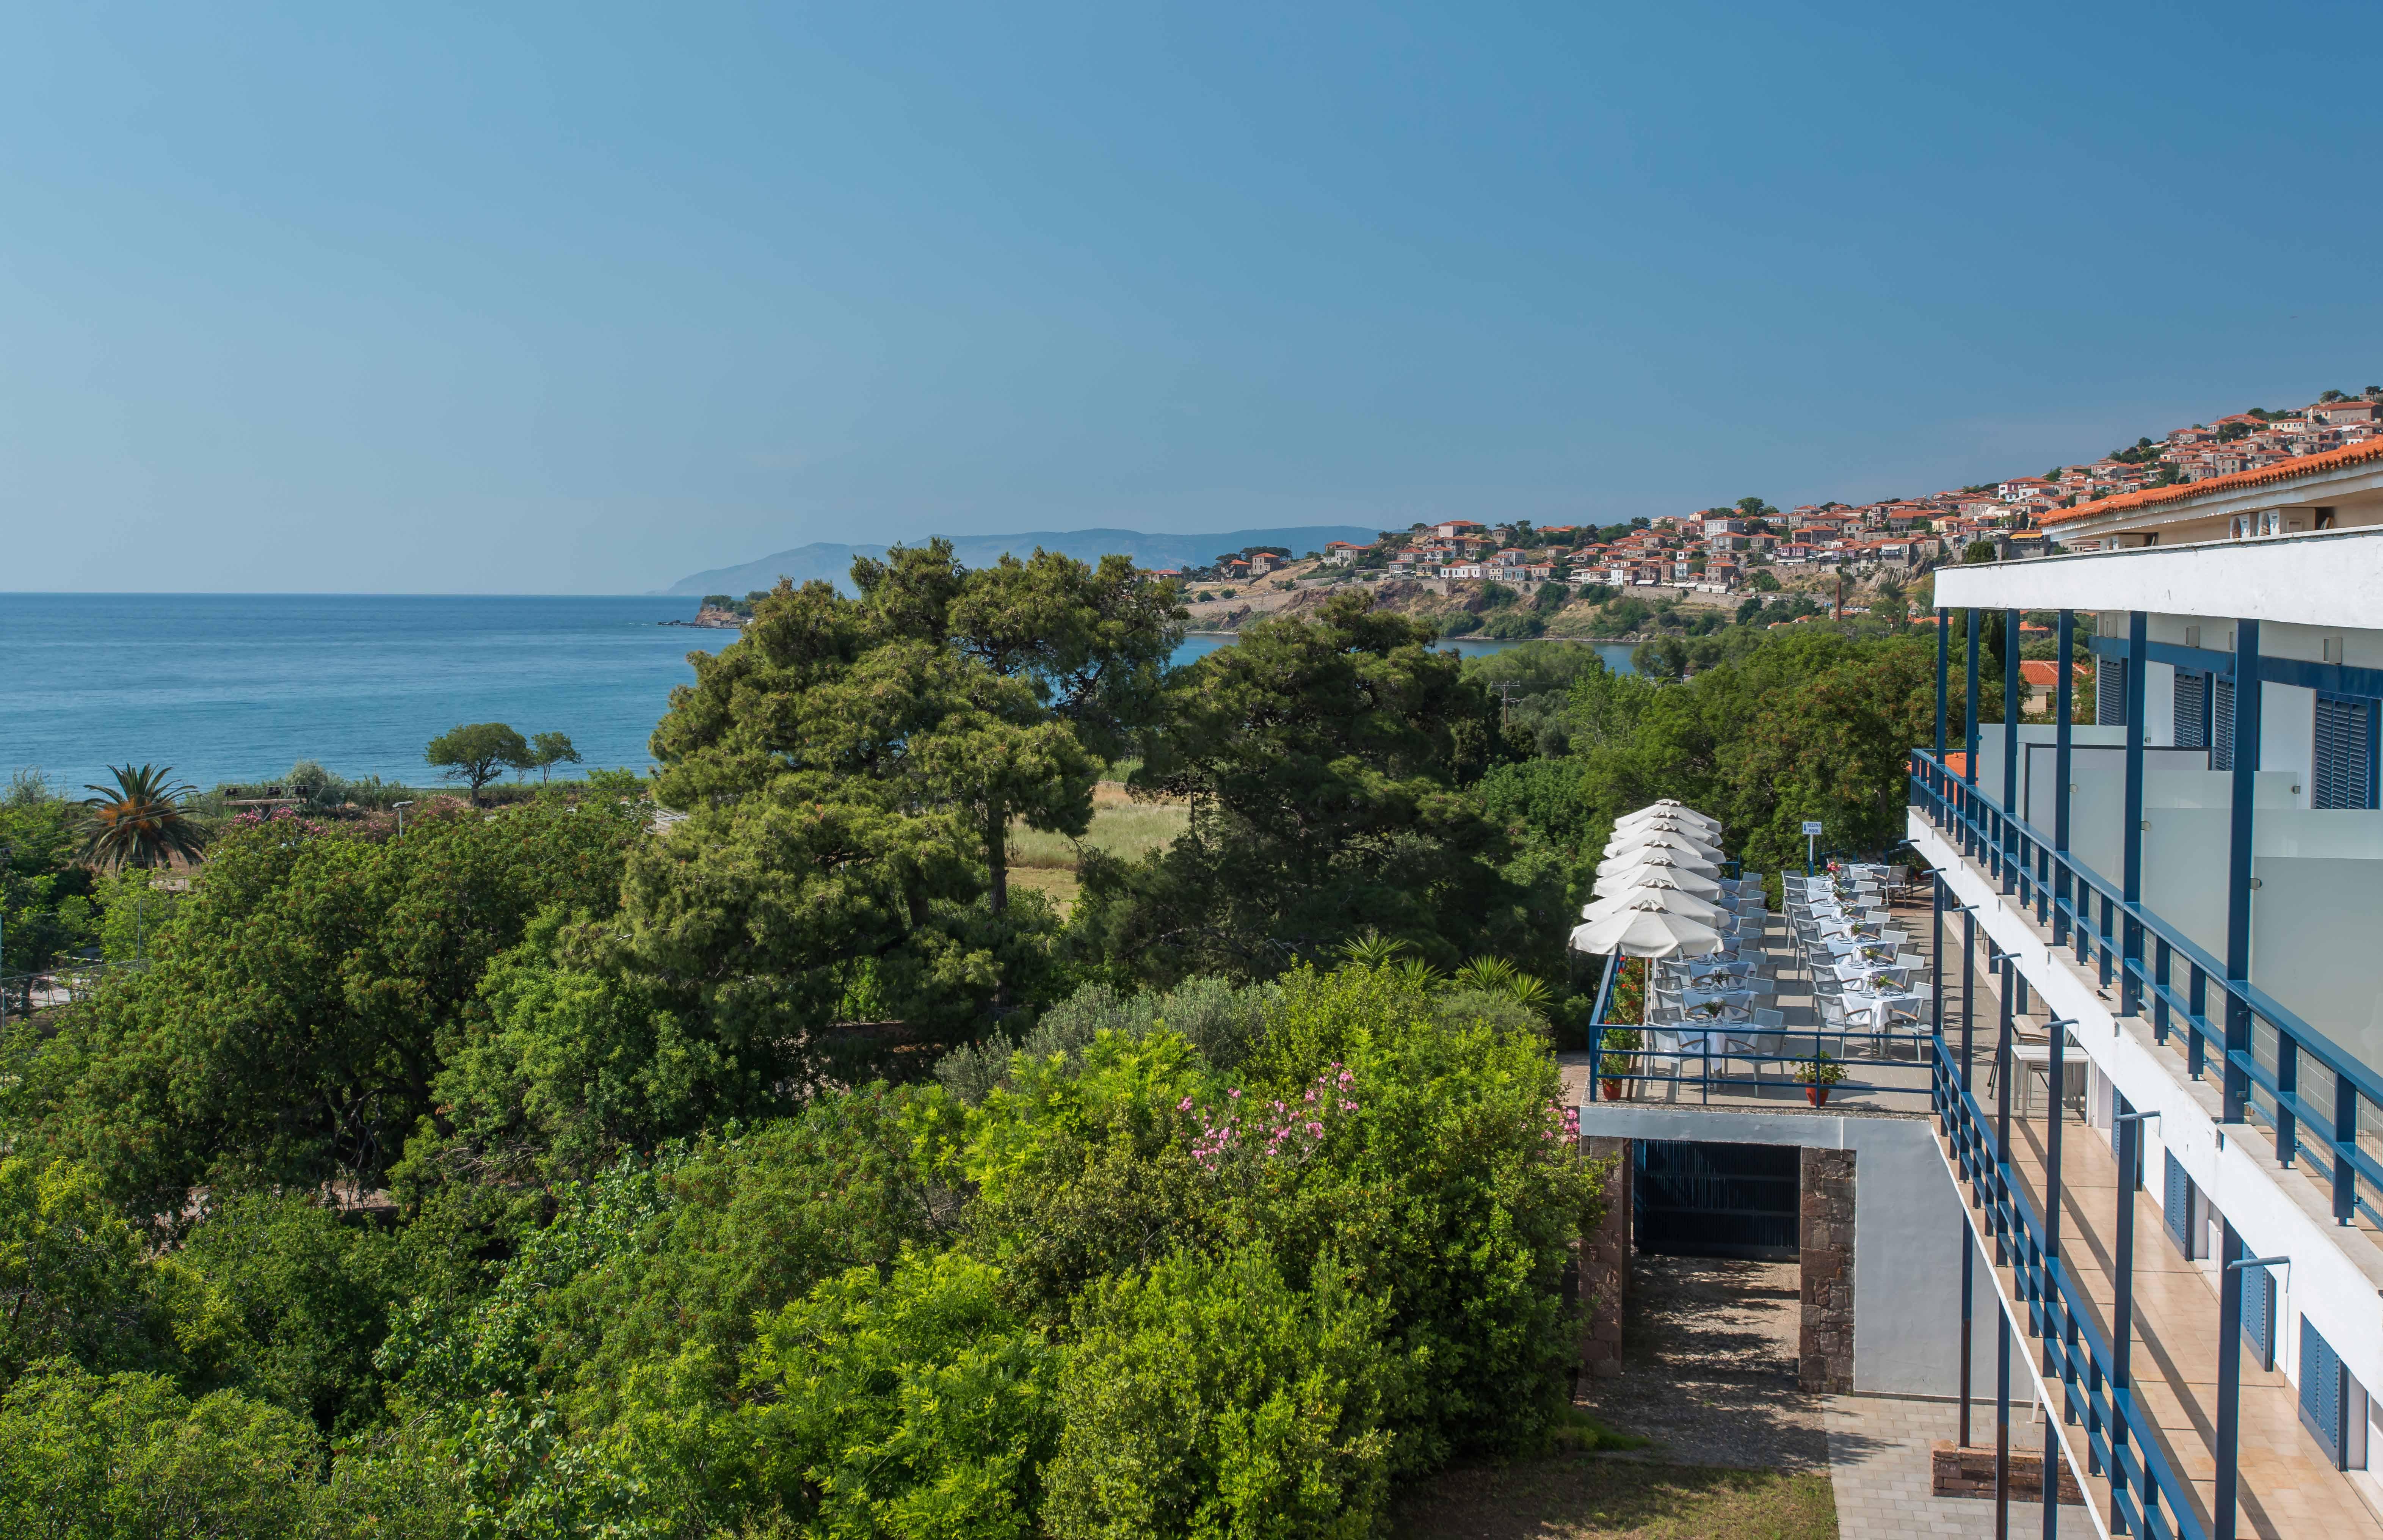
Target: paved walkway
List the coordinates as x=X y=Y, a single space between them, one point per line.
x=1879 y=1467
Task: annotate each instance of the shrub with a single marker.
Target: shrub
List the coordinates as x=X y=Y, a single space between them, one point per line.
x=130 y=1456
x=1212 y=1397
x=912 y=1405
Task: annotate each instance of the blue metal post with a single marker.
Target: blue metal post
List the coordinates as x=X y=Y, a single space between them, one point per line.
x=1944 y=669
x=1968 y=1307
x=1597 y=1022
x=2130 y=934
x=1969 y=991
x=2122 y=1309
x=1936 y=952
x=1969 y=704
x=2007 y=846
x=2062 y=768
x=2229 y=1374
x=2002 y=1424
x=1969 y=739
x=2055 y=1338
x=2004 y=1035
x=2236 y=1083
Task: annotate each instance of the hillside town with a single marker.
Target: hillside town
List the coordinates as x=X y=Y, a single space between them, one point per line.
x=1752 y=545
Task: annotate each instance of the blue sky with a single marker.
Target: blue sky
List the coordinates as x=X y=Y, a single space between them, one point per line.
x=582 y=299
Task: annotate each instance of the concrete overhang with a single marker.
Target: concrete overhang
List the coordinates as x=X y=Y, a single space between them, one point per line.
x=2330 y=578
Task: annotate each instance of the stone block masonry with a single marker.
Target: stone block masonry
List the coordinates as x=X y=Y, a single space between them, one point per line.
x=1969 y=1472
x=1604 y=1265
x=1824 y=1358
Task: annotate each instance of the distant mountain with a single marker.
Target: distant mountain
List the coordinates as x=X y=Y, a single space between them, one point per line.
x=832 y=562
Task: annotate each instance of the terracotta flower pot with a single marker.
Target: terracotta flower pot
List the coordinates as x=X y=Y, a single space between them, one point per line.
x=1817 y=1095
x=1613 y=1088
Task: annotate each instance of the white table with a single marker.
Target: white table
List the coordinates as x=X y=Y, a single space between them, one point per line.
x=2038 y=1056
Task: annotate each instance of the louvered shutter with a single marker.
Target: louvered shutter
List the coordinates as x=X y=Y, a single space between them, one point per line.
x=2324 y=1394
x=2109 y=693
x=2344 y=772
x=2259 y=1315
x=2176 y=1211
x=2221 y=724
x=2192 y=710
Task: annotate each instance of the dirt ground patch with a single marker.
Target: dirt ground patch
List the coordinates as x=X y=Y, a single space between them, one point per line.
x=1709 y=1366
x=1600 y=1498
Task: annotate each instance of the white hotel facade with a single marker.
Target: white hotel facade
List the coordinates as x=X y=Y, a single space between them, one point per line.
x=2182 y=901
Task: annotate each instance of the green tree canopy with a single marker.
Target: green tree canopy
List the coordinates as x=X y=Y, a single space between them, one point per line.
x=299 y=1002
x=478 y=753
x=549 y=749
x=1323 y=759
x=853 y=768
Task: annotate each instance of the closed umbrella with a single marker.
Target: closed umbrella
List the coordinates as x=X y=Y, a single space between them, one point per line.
x=1664 y=839
x=1675 y=879
x=1682 y=860
x=1644 y=929
x=1671 y=812
x=1674 y=901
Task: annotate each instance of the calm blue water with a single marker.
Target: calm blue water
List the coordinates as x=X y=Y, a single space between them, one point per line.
x=233 y=687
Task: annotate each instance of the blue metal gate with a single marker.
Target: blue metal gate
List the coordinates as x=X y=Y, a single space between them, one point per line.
x=1703 y=1200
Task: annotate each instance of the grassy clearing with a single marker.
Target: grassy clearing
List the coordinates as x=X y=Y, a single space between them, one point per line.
x=1121 y=827
x=1581 y=1498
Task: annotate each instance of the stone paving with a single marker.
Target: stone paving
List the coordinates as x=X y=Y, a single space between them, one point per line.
x=1879 y=1467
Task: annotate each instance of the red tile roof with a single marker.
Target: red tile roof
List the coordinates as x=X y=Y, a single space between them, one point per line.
x=2264 y=476
x=2043 y=671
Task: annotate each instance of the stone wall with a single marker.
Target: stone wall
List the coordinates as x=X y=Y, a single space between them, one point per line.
x=1824 y=1358
x=1604 y=1265
x=1969 y=1472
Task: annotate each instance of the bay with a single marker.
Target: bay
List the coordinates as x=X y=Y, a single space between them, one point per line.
x=240 y=686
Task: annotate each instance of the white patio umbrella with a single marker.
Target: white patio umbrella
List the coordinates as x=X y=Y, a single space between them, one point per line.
x=1662 y=838
x=1682 y=860
x=1669 y=812
x=1644 y=929
x=1674 y=901
x=1671 y=879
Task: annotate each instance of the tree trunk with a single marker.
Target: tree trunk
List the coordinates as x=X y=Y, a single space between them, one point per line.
x=997 y=858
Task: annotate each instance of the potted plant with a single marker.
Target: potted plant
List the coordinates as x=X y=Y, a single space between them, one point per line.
x=1817 y=1074
x=1621 y=1045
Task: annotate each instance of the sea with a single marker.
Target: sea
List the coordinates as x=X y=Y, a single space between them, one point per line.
x=240 y=686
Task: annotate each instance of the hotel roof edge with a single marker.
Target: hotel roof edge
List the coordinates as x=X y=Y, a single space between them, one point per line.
x=2327 y=578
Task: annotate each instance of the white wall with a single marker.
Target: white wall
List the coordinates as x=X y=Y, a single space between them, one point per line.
x=2313 y=943
x=2159 y=702
x=2333 y=579
x=2288 y=734
x=1908 y=1223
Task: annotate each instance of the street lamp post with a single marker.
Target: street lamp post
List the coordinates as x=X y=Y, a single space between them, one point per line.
x=400 y=808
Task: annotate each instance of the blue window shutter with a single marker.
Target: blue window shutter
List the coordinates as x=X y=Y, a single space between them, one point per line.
x=2192 y=710
x=2343 y=775
x=2178 y=1209
x=2259 y=1315
x=2221 y=724
x=2110 y=694
x=2324 y=1399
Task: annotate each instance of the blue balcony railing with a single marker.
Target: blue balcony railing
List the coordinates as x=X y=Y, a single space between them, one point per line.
x=1708 y=1069
x=2122 y=1443
x=2277 y=1071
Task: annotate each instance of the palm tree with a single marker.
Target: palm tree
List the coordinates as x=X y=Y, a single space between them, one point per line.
x=139 y=821
x=1371 y=950
x=1497 y=976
